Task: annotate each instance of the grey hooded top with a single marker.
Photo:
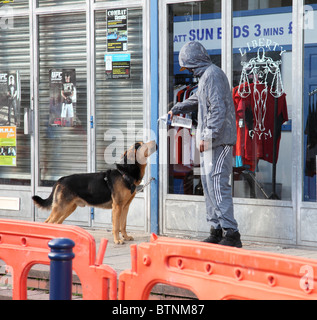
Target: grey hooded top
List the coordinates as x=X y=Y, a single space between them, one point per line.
x=216 y=114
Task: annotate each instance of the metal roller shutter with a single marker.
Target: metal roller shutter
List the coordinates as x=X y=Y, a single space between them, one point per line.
x=62 y=45
x=58 y=3
x=118 y=101
x=15 y=56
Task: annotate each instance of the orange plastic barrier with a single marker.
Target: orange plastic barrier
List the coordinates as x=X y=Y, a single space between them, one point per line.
x=216 y=272
x=209 y=271
x=24 y=244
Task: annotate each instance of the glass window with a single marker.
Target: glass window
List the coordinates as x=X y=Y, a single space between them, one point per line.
x=262 y=87
x=107 y=0
x=193 y=21
x=310 y=100
x=14 y=4
x=15 y=163
x=119 y=83
x=62 y=96
x=46 y=3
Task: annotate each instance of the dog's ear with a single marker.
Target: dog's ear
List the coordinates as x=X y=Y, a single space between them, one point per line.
x=137 y=145
x=129 y=156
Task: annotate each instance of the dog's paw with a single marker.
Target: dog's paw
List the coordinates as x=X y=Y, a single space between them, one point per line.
x=128 y=238
x=120 y=241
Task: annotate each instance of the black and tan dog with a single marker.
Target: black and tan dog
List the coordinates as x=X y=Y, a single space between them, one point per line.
x=111 y=189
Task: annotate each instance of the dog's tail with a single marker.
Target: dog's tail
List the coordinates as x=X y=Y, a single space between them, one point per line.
x=45 y=204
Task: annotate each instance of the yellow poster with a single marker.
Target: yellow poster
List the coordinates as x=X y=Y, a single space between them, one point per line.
x=8 y=146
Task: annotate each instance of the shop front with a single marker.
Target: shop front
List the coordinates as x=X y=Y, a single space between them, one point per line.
x=80 y=83
x=268 y=51
x=74 y=77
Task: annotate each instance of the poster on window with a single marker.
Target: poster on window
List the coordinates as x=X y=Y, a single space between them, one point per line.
x=8 y=145
x=63 y=98
x=118 y=65
x=117 y=30
x=10 y=98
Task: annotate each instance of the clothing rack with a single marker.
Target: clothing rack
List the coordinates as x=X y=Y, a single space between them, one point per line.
x=274 y=195
x=185 y=79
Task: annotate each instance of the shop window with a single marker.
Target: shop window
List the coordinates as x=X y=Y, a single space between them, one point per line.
x=62 y=96
x=239 y=5
x=119 y=83
x=310 y=101
x=262 y=86
x=15 y=163
x=193 y=21
x=262 y=82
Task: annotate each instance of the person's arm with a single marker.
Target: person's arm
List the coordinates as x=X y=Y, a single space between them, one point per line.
x=189 y=105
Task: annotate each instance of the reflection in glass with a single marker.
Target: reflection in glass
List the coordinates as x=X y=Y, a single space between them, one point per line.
x=15 y=98
x=262 y=78
x=262 y=81
x=310 y=101
x=62 y=120
x=189 y=22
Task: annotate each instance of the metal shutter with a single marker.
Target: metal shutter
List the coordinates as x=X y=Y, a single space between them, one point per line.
x=58 y=3
x=15 y=55
x=118 y=101
x=62 y=44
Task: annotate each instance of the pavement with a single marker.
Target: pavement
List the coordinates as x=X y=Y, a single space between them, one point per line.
x=119 y=258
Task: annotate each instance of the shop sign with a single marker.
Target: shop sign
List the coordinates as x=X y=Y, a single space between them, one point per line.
x=276 y=26
x=10 y=98
x=63 y=98
x=8 y=146
x=117 y=30
x=118 y=65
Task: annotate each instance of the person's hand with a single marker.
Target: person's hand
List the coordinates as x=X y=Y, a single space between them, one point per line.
x=171 y=114
x=203 y=146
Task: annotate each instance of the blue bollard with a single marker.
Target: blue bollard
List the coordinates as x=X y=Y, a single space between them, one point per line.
x=61 y=257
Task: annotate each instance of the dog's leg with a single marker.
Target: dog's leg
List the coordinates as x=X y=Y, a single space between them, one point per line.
x=116 y=213
x=54 y=216
x=66 y=213
x=123 y=222
x=58 y=215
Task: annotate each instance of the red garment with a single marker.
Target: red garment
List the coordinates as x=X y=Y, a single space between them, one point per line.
x=238 y=148
x=179 y=143
x=257 y=111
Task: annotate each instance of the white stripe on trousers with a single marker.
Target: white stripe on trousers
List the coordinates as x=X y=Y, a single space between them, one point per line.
x=219 y=164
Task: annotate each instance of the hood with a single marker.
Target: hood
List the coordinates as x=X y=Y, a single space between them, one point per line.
x=194 y=56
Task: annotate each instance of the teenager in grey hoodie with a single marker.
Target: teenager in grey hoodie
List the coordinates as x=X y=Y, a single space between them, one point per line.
x=216 y=134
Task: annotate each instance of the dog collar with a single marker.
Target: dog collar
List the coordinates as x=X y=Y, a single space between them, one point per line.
x=126 y=178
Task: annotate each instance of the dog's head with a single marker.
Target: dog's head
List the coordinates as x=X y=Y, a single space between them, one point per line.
x=133 y=161
x=139 y=152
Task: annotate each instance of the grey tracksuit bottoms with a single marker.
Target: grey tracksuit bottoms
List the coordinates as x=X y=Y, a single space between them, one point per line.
x=216 y=167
